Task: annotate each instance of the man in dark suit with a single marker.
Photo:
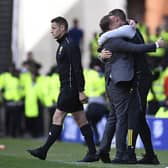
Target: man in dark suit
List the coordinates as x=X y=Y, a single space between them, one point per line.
x=119 y=71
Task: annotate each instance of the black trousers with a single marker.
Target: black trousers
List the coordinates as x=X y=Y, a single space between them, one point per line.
x=13 y=119
x=137 y=116
x=94 y=113
x=117 y=121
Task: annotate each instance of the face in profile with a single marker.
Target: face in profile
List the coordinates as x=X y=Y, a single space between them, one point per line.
x=56 y=30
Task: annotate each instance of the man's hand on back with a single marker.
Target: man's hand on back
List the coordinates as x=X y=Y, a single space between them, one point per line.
x=105 y=54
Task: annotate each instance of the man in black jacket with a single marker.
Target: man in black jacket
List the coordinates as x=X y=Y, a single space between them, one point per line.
x=119 y=76
x=71 y=97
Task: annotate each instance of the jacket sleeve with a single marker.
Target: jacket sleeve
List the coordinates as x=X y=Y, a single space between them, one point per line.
x=77 y=67
x=120 y=45
x=126 y=31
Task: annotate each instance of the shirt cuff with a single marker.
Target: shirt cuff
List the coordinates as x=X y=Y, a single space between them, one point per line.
x=157 y=45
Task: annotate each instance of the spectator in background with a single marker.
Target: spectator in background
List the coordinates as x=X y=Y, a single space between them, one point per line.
x=31 y=62
x=157 y=94
x=93 y=46
x=12 y=98
x=76 y=34
x=162 y=111
x=33 y=102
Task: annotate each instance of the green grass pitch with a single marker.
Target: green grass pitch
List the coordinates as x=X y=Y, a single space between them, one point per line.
x=61 y=155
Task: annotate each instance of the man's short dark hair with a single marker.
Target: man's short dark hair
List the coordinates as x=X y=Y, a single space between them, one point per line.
x=118 y=12
x=104 y=23
x=61 y=21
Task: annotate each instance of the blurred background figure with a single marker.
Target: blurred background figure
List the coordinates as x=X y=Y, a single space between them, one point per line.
x=77 y=33
x=34 y=85
x=97 y=105
x=30 y=61
x=93 y=46
x=12 y=96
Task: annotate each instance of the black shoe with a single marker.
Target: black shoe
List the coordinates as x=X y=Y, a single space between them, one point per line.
x=105 y=157
x=149 y=160
x=39 y=153
x=125 y=159
x=130 y=158
x=90 y=157
x=118 y=161
x=122 y=161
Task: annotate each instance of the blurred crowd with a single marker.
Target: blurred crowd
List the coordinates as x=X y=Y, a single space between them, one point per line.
x=26 y=95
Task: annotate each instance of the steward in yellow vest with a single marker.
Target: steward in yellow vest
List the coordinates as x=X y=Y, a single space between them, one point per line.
x=93 y=46
x=33 y=89
x=12 y=97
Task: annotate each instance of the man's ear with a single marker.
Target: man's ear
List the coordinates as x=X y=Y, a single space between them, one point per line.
x=62 y=27
x=117 y=19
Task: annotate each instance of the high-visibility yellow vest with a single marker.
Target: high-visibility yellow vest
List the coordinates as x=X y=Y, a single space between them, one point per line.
x=164 y=35
x=93 y=47
x=12 y=87
x=165 y=73
x=150 y=96
x=25 y=80
x=94 y=83
x=44 y=94
x=54 y=87
x=1 y=82
x=31 y=97
x=4 y=78
x=31 y=102
x=162 y=113
x=158 y=86
x=143 y=29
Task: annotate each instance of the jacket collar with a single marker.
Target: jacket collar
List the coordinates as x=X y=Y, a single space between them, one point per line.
x=62 y=38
